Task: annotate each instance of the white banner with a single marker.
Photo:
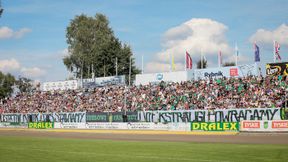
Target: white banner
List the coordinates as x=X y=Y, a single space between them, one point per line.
x=103 y=81
x=60 y=85
x=179 y=126
x=264 y=126
x=106 y=126
x=15 y=125
x=218 y=115
x=141 y=126
x=178 y=76
x=230 y=71
x=64 y=117
x=71 y=125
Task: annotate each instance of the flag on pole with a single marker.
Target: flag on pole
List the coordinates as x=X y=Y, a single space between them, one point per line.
x=277 y=51
x=236 y=50
x=173 y=63
x=237 y=54
x=220 y=59
x=257 y=53
x=188 y=61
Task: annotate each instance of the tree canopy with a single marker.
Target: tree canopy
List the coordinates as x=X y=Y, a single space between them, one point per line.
x=25 y=84
x=202 y=65
x=93 y=48
x=229 y=64
x=6 y=84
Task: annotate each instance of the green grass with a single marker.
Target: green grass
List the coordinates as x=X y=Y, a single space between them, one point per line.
x=28 y=149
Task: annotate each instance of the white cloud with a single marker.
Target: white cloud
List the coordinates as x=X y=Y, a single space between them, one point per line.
x=7 y=33
x=32 y=72
x=21 y=32
x=64 y=53
x=11 y=65
x=280 y=34
x=242 y=58
x=194 y=36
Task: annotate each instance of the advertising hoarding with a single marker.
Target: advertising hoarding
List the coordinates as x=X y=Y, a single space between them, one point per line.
x=264 y=126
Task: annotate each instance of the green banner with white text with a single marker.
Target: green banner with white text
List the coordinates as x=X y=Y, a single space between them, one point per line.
x=40 y=125
x=215 y=126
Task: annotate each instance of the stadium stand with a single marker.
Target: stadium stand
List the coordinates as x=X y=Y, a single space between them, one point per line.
x=222 y=93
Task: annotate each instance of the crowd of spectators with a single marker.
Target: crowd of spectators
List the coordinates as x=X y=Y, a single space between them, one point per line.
x=221 y=93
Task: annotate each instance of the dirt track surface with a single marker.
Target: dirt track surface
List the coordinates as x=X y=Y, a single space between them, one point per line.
x=242 y=138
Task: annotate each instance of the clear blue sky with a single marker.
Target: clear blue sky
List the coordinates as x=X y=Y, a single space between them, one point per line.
x=32 y=32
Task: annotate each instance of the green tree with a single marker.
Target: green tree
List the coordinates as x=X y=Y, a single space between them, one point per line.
x=6 y=84
x=202 y=65
x=93 y=48
x=229 y=64
x=24 y=84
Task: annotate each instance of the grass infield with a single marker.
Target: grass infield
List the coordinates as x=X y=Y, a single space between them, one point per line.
x=39 y=149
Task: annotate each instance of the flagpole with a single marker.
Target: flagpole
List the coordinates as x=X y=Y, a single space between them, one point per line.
x=130 y=72
x=173 y=63
x=219 y=57
x=142 y=64
x=116 y=66
x=201 y=59
x=274 y=56
x=185 y=63
x=256 y=62
x=236 y=52
x=170 y=55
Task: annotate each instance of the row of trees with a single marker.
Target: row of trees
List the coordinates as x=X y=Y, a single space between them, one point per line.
x=8 y=83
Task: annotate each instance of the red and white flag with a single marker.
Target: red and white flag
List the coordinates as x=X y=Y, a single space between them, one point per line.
x=220 y=59
x=277 y=51
x=188 y=61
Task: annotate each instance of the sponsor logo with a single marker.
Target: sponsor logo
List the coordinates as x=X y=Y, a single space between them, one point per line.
x=159 y=76
x=219 y=73
x=251 y=124
x=233 y=72
x=211 y=126
x=266 y=124
x=41 y=125
x=279 y=124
